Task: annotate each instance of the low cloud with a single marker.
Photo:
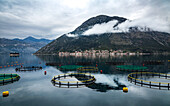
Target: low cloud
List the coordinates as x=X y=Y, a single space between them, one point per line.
x=71 y=35
x=142 y=24
x=101 y=28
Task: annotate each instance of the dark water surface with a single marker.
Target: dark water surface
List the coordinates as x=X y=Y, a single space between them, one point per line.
x=34 y=88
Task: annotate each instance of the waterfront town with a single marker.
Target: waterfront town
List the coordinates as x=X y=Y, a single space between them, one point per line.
x=101 y=52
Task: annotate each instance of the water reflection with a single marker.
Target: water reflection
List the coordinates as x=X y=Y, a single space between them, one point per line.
x=35 y=88
x=8 y=81
x=101 y=87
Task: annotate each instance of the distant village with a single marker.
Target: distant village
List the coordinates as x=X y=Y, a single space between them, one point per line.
x=100 y=52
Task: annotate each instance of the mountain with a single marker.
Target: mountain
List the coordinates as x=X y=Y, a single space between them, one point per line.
x=27 y=45
x=106 y=33
x=97 y=20
x=31 y=39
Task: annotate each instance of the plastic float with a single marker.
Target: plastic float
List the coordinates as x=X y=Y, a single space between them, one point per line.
x=134 y=77
x=83 y=79
x=5 y=93
x=12 y=65
x=8 y=78
x=45 y=72
x=125 y=89
x=101 y=71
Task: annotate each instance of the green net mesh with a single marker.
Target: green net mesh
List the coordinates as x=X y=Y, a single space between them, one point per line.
x=130 y=67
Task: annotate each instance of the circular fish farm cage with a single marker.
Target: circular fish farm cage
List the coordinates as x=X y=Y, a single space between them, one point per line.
x=134 y=77
x=87 y=69
x=131 y=68
x=83 y=80
x=69 y=67
x=8 y=78
x=33 y=68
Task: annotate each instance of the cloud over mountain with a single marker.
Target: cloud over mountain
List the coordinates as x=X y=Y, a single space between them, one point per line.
x=52 y=18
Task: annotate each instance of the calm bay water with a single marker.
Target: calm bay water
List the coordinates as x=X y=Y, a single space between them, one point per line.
x=35 y=88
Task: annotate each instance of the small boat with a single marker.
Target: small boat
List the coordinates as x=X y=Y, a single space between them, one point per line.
x=14 y=54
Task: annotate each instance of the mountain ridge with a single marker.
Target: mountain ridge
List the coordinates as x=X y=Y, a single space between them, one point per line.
x=135 y=40
x=97 y=20
x=21 y=45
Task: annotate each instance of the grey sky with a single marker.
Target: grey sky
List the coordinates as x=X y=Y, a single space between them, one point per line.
x=52 y=18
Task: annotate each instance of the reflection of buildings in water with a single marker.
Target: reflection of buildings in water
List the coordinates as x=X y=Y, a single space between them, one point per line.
x=98 y=53
x=93 y=56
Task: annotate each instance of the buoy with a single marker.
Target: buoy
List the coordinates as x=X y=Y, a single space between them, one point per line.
x=143 y=64
x=96 y=65
x=125 y=89
x=45 y=72
x=101 y=71
x=21 y=66
x=5 y=93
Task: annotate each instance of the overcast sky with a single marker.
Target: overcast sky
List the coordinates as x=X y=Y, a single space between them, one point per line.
x=52 y=18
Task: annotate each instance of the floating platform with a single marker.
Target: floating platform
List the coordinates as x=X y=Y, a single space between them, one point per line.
x=32 y=68
x=131 y=68
x=133 y=77
x=8 y=78
x=84 y=79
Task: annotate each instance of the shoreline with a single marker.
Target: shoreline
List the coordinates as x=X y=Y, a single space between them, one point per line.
x=134 y=54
